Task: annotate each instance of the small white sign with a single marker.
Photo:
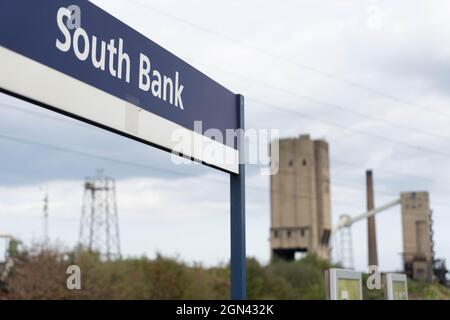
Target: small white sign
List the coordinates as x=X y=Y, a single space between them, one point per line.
x=396 y=286
x=344 y=284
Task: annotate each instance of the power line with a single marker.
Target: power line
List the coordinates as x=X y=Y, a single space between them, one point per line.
x=14 y=108
x=329 y=75
x=361 y=188
x=81 y=153
x=292 y=62
x=298 y=195
x=99 y=157
x=387 y=172
x=386 y=192
x=171 y=172
x=45 y=116
x=304 y=115
x=275 y=87
x=334 y=160
x=332 y=105
x=275 y=107
x=124 y=162
x=342 y=127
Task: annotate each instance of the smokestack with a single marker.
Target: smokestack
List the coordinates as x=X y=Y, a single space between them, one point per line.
x=371 y=227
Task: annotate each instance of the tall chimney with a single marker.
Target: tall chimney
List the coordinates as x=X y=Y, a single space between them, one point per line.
x=371 y=228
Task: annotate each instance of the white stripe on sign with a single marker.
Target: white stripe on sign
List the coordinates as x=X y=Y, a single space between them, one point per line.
x=40 y=83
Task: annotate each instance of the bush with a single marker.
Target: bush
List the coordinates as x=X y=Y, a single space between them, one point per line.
x=41 y=274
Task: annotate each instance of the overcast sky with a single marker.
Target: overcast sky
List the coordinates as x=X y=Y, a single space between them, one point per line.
x=370 y=77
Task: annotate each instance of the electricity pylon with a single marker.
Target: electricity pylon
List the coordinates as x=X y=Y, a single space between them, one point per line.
x=99 y=224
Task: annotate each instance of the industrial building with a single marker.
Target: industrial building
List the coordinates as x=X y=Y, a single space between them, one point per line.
x=300 y=199
x=417 y=235
x=301 y=212
x=418 y=255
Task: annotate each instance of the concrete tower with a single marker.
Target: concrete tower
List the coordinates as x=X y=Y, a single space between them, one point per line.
x=417 y=242
x=300 y=199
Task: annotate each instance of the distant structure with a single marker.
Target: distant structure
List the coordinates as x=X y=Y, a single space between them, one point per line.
x=417 y=235
x=99 y=225
x=300 y=199
x=7 y=260
x=45 y=211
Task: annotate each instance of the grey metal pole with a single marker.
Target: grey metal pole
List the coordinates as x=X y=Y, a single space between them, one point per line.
x=237 y=199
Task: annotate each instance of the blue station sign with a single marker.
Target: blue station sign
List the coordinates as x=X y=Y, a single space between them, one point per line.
x=77 y=59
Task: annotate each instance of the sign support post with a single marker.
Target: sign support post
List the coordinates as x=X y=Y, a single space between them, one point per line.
x=237 y=225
